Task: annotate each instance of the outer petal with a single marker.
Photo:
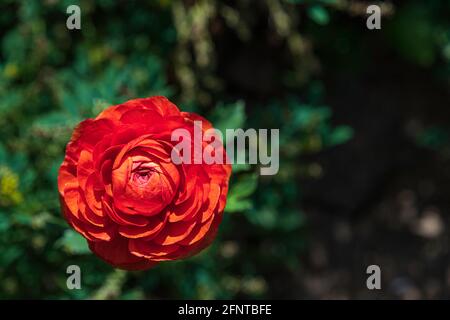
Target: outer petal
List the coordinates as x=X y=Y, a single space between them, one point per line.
x=116 y=253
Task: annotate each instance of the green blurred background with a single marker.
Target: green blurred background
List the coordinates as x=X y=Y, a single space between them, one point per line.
x=364 y=130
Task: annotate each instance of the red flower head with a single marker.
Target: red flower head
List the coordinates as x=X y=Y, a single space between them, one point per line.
x=121 y=190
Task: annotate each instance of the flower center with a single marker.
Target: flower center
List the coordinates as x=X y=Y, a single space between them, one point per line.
x=141 y=177
x=142 y=172
x=143 y=184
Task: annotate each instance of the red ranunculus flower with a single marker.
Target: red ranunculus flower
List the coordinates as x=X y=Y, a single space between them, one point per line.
x=121 y=190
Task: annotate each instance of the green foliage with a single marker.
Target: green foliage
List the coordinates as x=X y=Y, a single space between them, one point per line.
x=413 y=35
x=238 y=199
x=229 y=116
x=319 y=14
x=73 y=243
x=436 y=138
x=52 y=78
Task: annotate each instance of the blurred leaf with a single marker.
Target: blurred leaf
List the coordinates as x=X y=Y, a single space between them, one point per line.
x=235 y=204
x=319 y=15
x=229 y=116
x=411 y=34
x=240 y=191
x=340 y=135
x=239 y=167
x=435 y=137
x=9 y=255
x=4 y=222
x=3 y=156
x=54 y=122
x=266 y=217
x=73 y=243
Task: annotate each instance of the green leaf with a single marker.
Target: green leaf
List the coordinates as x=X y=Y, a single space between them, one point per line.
x=319 y=15
x=266 y=217
x=341 y=135
x=9 y=255
x=237 y=205
x=3 y=154
x=55 y=121
x=246 y=185
x=411 y=33
x=240 y=191
x=305 y=116
x=239 y=167
x=229 y=116
x=435 y=137
x=72 y=242
x=4 y=222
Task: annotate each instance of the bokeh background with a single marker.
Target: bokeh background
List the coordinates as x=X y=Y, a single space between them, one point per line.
x=365 y=141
